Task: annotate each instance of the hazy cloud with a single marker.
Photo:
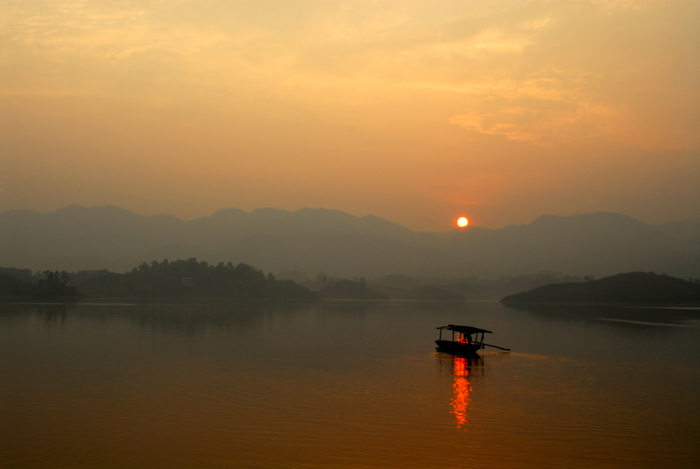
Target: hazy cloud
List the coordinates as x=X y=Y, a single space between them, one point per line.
x=259 y=90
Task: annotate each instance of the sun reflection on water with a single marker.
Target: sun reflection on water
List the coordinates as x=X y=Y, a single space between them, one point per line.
x=461 y=389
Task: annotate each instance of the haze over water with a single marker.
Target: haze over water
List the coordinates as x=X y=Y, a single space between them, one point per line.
x=346 y=384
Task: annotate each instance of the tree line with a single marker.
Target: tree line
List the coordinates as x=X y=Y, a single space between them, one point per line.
x=179 y=279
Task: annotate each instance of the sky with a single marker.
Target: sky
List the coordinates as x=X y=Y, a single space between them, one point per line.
x=414 y=111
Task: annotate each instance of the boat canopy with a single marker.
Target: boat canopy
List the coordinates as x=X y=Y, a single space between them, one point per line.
x=465 y=329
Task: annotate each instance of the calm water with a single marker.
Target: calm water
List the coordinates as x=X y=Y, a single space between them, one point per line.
x=346 y=385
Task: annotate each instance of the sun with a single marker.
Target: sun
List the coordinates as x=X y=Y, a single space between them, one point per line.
x=462 y=222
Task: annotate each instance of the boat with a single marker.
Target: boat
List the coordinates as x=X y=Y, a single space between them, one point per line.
x=465 y=341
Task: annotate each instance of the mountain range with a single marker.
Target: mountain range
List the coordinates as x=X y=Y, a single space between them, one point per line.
x=321 y=240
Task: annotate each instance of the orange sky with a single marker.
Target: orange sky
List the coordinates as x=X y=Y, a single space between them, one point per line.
x=415 y=111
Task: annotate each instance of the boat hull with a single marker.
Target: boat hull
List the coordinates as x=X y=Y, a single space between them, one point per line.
x=458 y=348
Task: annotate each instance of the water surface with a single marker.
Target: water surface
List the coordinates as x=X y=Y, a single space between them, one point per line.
x=344 y=384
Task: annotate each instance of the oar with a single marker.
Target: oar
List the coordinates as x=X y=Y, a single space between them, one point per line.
x=496 y=346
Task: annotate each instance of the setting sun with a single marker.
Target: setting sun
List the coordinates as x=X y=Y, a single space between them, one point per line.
x=462 y=222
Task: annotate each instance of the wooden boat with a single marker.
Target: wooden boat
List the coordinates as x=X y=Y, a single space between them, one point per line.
x=466 y=340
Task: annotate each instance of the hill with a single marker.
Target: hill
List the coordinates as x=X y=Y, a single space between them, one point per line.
x=598 y=244
x=11 y=287
x=639 y=288
x=350 y=290
x=342 y=245
x=51 y=286
x=432 y=293
x=189 y=279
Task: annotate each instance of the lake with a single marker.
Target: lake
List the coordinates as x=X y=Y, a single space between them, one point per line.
x=346 y=384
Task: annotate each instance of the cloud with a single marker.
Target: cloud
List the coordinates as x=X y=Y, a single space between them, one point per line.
x=481 y=88
x=547 y=109
x=536 y=72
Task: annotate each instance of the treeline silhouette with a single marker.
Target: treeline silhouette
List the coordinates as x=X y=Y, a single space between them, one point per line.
x=643 y=288
x=179 y=280
x=190 y=278
x=47 y=286
x=54 y=286
x=185 y=280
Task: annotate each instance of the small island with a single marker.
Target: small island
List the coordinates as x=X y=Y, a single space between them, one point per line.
x=190 y=279
x=181 y=280
x=48 y=286
x=633 y=288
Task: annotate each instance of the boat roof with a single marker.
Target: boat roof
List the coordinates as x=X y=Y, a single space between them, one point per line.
x=464 y=329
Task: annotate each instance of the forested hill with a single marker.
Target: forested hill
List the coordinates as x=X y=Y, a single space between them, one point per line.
x=192 y=279
x=639 y=288
x=45 y=286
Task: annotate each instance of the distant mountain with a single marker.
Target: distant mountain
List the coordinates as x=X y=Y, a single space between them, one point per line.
x=598 y=244
x=432 y=293
x=629 y=288
x=350 y=290
x=78 y=238
x=341 y=245
x=686 y=230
